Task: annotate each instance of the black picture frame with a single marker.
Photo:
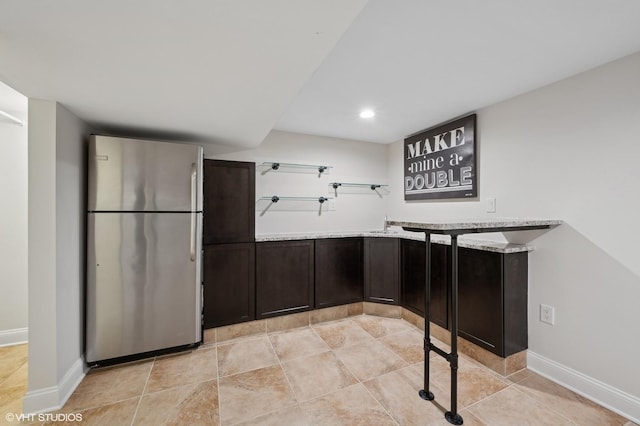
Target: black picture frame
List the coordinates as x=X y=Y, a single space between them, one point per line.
x=440 y=162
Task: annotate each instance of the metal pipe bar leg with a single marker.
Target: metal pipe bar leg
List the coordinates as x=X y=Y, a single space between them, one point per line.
x=452 y=416
x=425 y=393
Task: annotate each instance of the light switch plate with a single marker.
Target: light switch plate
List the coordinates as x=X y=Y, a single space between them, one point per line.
x=491 y=205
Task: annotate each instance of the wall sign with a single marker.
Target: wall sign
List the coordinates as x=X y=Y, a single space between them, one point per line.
x=441 y=162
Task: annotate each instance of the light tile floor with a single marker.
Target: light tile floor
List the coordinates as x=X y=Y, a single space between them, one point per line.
x=364 y=370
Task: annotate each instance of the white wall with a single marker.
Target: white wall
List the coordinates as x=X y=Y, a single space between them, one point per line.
x=56 y=254
x=13 y=220
x=71 y=152
x=351 y=161
x=568 y=151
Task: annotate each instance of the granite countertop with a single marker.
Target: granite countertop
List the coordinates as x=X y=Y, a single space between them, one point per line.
x=477 y=225
x=494 y=246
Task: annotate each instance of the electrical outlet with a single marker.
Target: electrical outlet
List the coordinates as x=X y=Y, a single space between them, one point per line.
x=547 y=314
x=491 y=205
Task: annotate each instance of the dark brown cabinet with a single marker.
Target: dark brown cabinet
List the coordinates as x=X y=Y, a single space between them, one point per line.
x=338 y=271
x=492 y=290
x=413 y=271
x=228 y=202
x=229 y=284
x=228 y=237
x=284 y=277
x=382 y=270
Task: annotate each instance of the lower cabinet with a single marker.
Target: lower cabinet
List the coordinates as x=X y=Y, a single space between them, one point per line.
x=338 y=271
x=382 y=270
x=229 y=284
x=413 y=270
x=247 y=281
x=284 y=277
x=492 y=301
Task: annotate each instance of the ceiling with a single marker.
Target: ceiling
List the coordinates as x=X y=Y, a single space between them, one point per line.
x=229 y=72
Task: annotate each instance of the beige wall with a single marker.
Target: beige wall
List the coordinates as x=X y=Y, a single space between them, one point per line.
x=568 y=151
x=351 y=161
x=13 y=219
x=56 y=254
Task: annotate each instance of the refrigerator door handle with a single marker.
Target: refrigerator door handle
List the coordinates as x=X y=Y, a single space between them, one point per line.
x=194 y=184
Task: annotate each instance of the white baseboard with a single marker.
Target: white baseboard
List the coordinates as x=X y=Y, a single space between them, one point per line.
x=54 y=397
x=16 y=336
x=599 y=392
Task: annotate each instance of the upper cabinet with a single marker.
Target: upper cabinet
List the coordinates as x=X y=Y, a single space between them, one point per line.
x=229 y=202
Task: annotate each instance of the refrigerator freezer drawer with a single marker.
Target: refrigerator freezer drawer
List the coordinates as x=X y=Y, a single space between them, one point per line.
x=138 y=175
x=143 y=282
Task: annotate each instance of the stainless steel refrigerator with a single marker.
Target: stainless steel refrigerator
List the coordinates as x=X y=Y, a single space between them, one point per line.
x=144 y=228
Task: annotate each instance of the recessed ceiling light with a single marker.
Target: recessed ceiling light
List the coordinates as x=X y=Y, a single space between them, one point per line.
x=367 y=113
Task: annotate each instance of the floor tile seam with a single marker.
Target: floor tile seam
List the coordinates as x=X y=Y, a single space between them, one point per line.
x=255 y=336
x=330 y=322
x=518 y=381
x=197 y=382
x=363 y=329
x=351 y=344
x=540 y=403
x=246 y=421
x=388 y=346
x=224 y=376
x=305 y=356
x=346 y=367
x=218 y=387
x=335 y=390
x=380 y=402
x=322 y=395
x=293 y=392
x=93 y=407
x=320 y=337
x=296 y=330
x=393 y=333
x=144 y=388
x=287 y=330
x=390 y=350
x=316 y=397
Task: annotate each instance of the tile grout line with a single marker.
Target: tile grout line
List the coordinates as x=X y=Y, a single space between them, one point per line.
x=379 y=402
x=135 y=414
x=280 y=363
x=297 y=402
x=359 y=382
x=218 y=383
x=540 y=403
x=389 y=372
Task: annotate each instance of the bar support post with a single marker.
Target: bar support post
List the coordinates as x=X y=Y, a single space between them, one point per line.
x=452 y=416
x=425 y=393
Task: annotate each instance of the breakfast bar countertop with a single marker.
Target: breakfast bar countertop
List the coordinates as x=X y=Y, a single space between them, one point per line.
x=435 y=227
x=467 y=226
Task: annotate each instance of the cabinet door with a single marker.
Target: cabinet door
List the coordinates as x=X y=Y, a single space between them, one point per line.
x=381 y=270
x=284 y=277
x=515 y=284
x=338 y=271
x=229 y=284
x=228 y=202
x=480 y=308
x=413 y=271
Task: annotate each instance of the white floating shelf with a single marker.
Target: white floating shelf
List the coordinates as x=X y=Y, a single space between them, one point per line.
x=357 y=188
x=290 y=203
x=270 y=167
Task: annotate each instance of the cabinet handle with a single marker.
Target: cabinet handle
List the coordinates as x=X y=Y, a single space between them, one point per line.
x=194 y=181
